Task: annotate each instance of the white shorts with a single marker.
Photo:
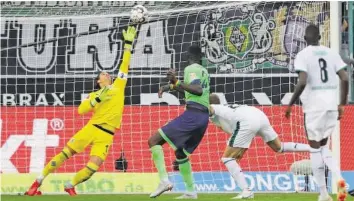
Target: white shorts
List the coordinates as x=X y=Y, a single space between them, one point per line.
x=320 y=125
x=250 y=123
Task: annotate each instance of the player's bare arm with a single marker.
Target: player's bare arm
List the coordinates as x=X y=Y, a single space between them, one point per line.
x=300 y=86
x=343 y=76
x=180 y=86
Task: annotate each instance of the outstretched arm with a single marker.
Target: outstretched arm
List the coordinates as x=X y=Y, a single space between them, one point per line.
x=129 y=36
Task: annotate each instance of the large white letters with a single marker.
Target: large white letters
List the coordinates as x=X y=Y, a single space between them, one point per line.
x=38 y=141
x=152 y=49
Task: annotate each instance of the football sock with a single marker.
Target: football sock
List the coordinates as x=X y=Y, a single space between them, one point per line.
x=318 y=169
x=55 y=163
x=331 y=162
x=159 y=161
x=84 y=174
x=185 y=169
x=294 y=147
x=236 y=172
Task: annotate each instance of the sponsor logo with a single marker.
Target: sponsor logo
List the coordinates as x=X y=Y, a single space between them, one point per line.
x=257 y=181
x=37 y=141
x=100 y=183
x=26 y=99
x=146 y=182
x=31 y=99
x=258 y=39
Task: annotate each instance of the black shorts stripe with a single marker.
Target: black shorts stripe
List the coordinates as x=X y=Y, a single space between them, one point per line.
x=92 y=170
x=233 y=137
x=66 y=156
x=103 y=129
x=228 y=161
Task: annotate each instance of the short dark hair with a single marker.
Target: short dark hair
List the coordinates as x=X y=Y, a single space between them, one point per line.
x=312 y=34
x=195 y=50
x=195 y=53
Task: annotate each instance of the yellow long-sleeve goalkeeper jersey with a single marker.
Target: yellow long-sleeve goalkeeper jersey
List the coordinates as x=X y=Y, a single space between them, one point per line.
x=109 y=111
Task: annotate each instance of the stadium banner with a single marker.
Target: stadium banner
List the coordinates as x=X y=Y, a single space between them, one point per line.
x=252 y=38
x=99 y=183
x=211 y=182
x=143 y=91
x=31 y=136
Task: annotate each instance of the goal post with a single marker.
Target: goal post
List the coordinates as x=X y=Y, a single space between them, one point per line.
x=335 y=44
x=52 y=51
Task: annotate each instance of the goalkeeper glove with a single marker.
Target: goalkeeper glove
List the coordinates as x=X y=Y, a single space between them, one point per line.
x=102 y=96
x=129 y=36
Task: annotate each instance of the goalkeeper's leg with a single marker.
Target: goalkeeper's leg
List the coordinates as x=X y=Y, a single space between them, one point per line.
x=101 y=141
x=84 y=174
x=53 y=164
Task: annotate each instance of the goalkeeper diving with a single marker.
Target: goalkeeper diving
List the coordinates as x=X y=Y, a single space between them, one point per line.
x=107 y=105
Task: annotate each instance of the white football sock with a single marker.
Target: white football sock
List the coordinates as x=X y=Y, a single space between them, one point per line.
x=40 y=178
x=236 y=172
x=294 y=147
x=318 y=169
x=331 y=162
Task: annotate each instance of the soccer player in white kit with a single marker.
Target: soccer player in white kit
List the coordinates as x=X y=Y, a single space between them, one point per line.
x=318 y=68
x=244 y=123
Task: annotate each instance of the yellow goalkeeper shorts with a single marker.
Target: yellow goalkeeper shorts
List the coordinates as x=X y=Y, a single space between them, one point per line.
x=91 y=135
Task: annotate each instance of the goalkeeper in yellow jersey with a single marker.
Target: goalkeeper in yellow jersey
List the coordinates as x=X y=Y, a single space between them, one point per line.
x=107 y=105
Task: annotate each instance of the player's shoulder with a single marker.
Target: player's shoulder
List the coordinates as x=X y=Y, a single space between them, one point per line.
x=331 y=52
x=194 y=67
x=304 y=52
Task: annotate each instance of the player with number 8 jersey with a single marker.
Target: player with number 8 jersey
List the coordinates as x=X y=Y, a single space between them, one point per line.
x=319 y=68
x=185 y=132
x=107 y=105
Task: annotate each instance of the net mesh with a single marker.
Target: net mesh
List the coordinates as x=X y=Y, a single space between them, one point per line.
x=248 y=50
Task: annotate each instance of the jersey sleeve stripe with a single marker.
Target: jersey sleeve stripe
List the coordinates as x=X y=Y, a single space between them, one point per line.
x=344 y=67
x=196 y=82
x=300 y=70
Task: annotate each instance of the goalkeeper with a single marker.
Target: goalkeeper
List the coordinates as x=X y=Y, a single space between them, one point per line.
x=107 y=105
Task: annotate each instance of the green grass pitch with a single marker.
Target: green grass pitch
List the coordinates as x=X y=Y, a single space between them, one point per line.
x=201 y=197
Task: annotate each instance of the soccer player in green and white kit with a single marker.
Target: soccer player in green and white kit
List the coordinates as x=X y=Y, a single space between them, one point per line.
x=185 y=132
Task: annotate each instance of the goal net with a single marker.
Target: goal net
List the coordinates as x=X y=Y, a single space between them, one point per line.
x=51 y=51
